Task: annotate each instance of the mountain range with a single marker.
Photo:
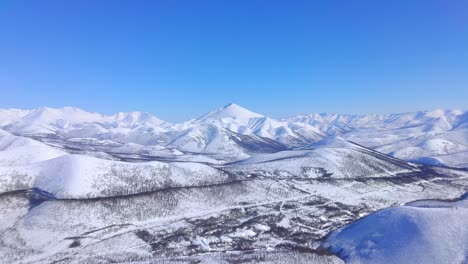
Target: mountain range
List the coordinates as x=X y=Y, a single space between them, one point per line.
x=233 y=133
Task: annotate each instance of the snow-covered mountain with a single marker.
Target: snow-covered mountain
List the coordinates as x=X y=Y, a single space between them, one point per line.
x=8 y=116
x=426 y=120
x=438 y=137
x=45 y=120
x=242 y=121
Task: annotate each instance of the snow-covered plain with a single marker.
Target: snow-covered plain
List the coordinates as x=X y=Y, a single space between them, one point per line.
x=231 y=186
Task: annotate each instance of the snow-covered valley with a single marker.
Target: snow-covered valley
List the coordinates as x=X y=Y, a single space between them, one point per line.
x=230 y=186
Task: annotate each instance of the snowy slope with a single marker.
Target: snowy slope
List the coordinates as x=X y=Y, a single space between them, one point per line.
x=335 y=158
x=422 y=232
x=7 y=116
x=16 y=150
x=79 y=176
x=213 y=139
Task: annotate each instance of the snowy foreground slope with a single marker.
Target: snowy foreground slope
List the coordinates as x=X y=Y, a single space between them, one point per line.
x=232 y=186
x=420 y=232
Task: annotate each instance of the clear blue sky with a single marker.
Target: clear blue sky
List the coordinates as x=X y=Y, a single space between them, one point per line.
x=179 y=59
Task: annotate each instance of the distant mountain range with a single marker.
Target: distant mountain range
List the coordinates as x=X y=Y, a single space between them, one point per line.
x=231 y=133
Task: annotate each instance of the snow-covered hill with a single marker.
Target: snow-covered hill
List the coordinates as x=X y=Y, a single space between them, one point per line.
x=15 y=150
x=330 y=158
x=416 y=233
x=79 y=176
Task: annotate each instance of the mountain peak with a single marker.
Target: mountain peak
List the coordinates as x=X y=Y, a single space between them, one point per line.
x=232 y=111
x=233 y=106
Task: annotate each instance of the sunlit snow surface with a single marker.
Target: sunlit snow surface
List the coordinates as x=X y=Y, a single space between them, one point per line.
x=420 y=232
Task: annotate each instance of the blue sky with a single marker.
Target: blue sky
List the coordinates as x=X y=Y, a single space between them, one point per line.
x=180 y=59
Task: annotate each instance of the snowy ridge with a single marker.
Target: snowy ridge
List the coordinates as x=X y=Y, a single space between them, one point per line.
x=80 y=177
x=45 y=120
